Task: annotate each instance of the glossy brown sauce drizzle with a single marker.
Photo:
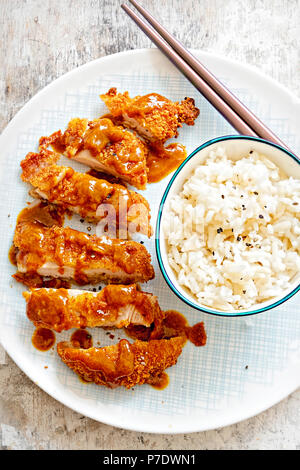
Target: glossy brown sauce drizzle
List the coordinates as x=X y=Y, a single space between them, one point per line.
x=197 y=334
x=163 y=160
x=146 y=103
x=138 y=332
x=101 y=133
x=43 y=339
x=114 y=368
x=78 y=250
x=125 y=361
x=174 y=324
x=160 y=382
x=81 y=339
x=43 y=212
x=48 y=215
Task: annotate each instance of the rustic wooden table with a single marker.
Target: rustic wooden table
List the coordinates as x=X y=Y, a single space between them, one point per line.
x=43 y=39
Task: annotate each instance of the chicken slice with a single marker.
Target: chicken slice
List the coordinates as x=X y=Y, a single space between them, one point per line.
x=115 y=306
x=91 y=198
x=103 y=146
x=153 y=116
x=123 y=364
x=69 y=254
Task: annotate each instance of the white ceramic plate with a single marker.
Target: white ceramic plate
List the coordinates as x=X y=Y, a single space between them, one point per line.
x=248 y=364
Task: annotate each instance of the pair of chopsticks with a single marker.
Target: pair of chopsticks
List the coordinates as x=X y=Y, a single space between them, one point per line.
x=231 y=108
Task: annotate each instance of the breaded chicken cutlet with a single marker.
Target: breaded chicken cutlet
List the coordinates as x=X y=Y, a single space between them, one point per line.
x=123 y=364
x=72 y=255
x=153 y=116
x=103 y=146
x=83 y=194
x=115 y=306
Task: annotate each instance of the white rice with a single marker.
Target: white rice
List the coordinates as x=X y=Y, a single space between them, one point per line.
x=232 y=233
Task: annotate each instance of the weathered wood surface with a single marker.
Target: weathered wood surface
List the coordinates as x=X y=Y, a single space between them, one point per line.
x=43 y=39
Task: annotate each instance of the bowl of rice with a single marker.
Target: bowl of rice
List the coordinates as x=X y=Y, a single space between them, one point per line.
x=227 y=234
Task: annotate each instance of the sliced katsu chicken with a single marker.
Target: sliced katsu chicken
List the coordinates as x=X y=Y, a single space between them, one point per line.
x=115 y=306
x=103 y=146
x=153 y=116
x=69 y=254
x=85 y=195
x=123 y=363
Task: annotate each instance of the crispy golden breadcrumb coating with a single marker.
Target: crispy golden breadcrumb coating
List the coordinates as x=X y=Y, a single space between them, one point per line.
x=69 y=254
x=103 y=146
x=122 y=364
x=153 y=116
x=83 y=194
x=115 y=306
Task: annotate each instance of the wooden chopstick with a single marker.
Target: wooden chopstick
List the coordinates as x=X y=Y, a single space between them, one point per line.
x=192 y=76
x=231 y=108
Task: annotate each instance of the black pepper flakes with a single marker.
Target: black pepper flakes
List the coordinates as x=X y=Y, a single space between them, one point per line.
x=261 y=216
x=256 y=193
x=238 y=239
x=89 y=228
x=219 y=230
x=222 y=196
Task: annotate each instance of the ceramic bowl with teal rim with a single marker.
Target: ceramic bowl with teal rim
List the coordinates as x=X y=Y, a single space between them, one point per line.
x=236 y=147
